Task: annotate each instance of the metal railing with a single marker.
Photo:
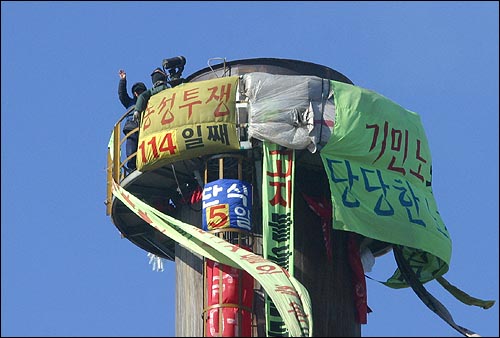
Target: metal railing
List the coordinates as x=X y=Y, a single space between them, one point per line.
x=115 y=169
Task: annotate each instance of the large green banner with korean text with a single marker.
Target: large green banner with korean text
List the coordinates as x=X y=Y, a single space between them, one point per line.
x=380 y=171
x=289 y=296
x=189 y=120
x=278 y=170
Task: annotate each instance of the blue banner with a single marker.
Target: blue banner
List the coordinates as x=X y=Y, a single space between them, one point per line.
x=227 y=203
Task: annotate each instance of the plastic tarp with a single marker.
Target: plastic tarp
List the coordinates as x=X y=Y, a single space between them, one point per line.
x=294 y=111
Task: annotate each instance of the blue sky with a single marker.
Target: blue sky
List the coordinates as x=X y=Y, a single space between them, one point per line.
x=65 y=271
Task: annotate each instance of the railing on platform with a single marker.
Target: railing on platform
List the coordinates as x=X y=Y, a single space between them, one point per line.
x=115 y=168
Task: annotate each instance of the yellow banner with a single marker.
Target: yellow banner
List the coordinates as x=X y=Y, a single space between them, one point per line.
x=290 y=297
x=186 y=121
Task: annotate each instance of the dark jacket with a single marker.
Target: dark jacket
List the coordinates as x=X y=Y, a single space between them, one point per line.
x=126 y=100
x=143 y=99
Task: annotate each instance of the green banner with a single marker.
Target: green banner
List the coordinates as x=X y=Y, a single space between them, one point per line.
x=290 y=297
x=379 y=167
x=277 y=218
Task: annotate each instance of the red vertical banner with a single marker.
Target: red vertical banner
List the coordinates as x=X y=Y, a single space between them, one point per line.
x=229 y=301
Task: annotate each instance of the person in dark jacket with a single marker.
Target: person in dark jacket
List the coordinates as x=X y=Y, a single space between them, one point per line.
x=131 y=122
x=137 y=89
x=159 y=80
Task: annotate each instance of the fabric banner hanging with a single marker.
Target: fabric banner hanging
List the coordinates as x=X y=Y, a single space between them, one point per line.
x=189 y=120
x=290 y=297
x=229 y=301
x=277 y=218
x=227 y=203
x=379 y=167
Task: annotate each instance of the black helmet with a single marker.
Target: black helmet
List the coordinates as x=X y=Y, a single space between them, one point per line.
x=158 y=76
x=139 y=87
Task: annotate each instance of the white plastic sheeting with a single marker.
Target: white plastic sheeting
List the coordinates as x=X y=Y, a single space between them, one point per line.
x=289 y=110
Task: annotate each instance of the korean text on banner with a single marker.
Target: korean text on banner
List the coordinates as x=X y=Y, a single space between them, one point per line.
x=227 y=203
x=379 y=167
x=290 y=297
x=277 y=218
x=189 y=120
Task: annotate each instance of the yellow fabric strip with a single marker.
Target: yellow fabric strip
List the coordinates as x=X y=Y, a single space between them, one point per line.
x=290 y=297
x=464 y=297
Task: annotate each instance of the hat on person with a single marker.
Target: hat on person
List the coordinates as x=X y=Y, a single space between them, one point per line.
x=158 y=75
x=139 y=87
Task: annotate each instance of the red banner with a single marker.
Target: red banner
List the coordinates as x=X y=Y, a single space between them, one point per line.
x=229 y=301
